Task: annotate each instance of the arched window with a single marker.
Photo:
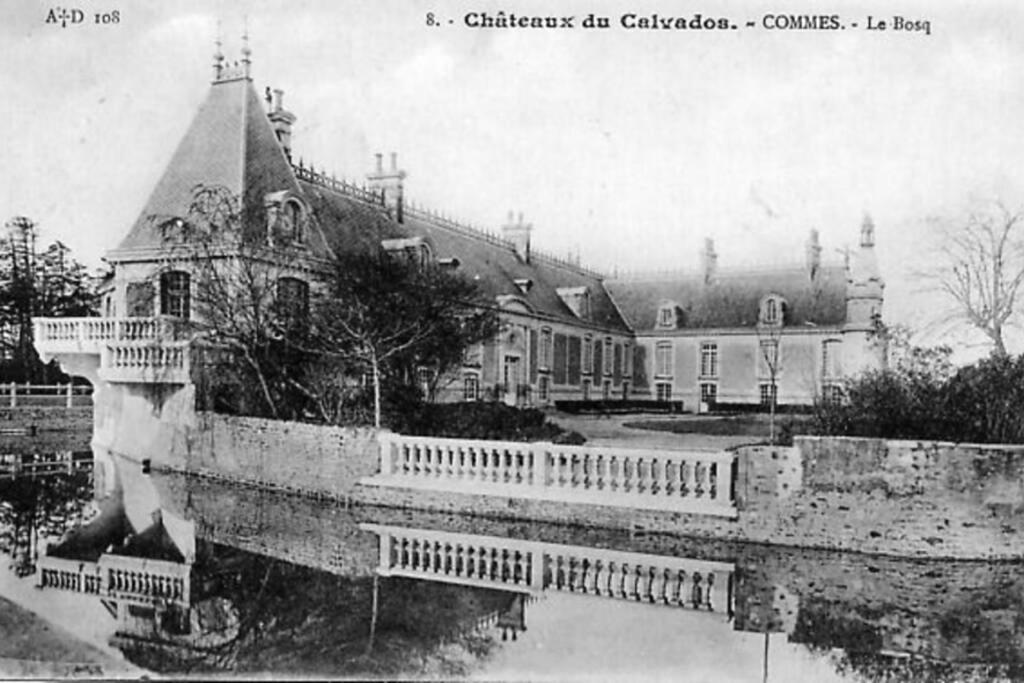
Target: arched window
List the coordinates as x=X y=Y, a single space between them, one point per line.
x=175 y=294
x=773 y=310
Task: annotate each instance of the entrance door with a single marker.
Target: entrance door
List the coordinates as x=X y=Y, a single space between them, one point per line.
x=510 y=379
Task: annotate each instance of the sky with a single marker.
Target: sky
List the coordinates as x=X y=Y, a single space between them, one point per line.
x=629 y=147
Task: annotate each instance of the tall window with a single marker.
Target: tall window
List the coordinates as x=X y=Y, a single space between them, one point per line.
x=544 y=388
x=588 y=355
x=663 y=359
x=545 y=348
x=709 y=359
x=607 y=356
x=831 y=360
x=471 y=388
x=293 y=216
x=627 y=361
x=768 y=358
x=663 y=391
x=708 y=392
x=175 y=294
x=293 y=297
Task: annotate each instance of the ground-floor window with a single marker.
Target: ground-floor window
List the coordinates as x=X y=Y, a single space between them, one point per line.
x=708 y=392
x=769 y=394
x=625 y=390
x=607 y=392
x=832 y=394
x=586 y=390
x=663 y=391
x=543 y=388
x=471 y=388
x=423 y=378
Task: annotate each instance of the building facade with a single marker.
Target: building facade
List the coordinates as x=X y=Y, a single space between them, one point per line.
x=568 y=332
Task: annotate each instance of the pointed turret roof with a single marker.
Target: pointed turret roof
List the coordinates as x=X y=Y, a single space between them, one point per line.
x=229 y=144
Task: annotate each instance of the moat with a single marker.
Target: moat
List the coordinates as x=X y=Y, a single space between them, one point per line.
x=221 y=579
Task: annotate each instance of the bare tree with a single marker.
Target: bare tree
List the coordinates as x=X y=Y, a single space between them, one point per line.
x=768 y=336
x=979 y=267
x=389 y=315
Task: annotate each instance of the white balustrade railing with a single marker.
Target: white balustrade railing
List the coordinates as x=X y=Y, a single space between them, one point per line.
x=684 y=481
x=118 y=576
x=534 y=567
x=458 y=558
x=133 y=577
x=130 y=349
x=70 y=575
x=61 y=333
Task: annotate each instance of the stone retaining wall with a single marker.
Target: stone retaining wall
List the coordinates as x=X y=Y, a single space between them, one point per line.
x=293 y=456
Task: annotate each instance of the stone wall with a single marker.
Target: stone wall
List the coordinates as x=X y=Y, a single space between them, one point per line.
x=293 y=456
x=898 y=498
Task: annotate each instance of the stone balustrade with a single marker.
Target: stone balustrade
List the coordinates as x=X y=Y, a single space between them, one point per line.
x=118 y=576
x=130 y=349
x=154 y=362
x=70 y=575
x=694 y=481
x=534 y=567
x=134 y=578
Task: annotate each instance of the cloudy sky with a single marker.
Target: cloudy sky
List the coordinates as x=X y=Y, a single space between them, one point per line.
x=629 y=146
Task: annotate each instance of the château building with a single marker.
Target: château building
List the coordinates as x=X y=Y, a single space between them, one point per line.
x=568 y=333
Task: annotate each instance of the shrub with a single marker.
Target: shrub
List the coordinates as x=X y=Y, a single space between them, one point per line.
x=492 y=421
x=978 y=403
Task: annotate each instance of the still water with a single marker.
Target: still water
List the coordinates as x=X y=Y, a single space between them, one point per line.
x=185 y=576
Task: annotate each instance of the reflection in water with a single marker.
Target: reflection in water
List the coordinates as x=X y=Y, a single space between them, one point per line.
x=40 y=498
x=216 y=578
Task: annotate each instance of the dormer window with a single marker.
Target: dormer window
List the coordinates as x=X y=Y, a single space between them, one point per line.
x=523 y=284
x=415 y=249
x=286 y=218
x=773 y=310
x=577 y=299
x=669 y=316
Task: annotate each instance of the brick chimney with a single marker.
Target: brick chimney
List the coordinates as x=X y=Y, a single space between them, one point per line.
x=518 y=233
x=281 y=120
x=709 y=261
x=390 y=184
x=813 y=254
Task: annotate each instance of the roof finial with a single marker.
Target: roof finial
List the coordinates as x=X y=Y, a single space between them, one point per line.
x=218 y=56
x=246 y=51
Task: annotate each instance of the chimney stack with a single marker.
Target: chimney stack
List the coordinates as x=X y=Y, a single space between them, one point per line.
x=867 y=232
x=709 y=260
x=390 y=184
x=282 y=122
x=518 y=233
x=813 y=254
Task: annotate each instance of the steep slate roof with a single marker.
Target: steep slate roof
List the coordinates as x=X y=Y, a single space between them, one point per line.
x=350 y=223
x=229 y=144
x=733 y=298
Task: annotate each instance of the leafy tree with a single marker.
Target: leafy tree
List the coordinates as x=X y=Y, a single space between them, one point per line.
x=979 y=267
x=36 y=283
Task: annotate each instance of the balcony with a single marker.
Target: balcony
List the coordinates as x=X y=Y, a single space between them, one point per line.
x=146 y=350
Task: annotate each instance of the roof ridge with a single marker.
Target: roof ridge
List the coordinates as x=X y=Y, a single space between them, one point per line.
x=436 y=218
x=730 y=270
